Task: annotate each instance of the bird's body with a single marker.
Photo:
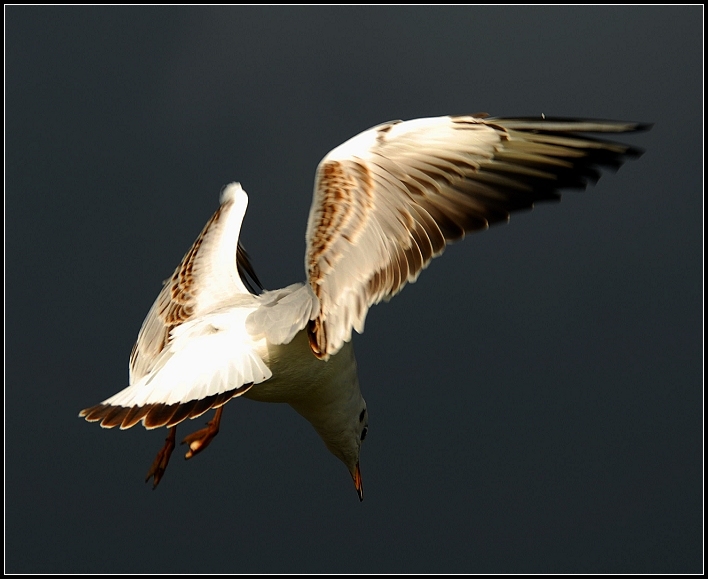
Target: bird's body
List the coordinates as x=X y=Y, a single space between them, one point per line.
x=385 y=203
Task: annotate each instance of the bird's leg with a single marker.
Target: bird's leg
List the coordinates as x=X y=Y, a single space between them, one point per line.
x=163 y=457
x=200 y=439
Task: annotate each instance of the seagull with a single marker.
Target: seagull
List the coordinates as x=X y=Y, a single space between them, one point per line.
x=385 y=203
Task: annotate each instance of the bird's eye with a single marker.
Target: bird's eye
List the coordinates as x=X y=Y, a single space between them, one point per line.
x=363 y=433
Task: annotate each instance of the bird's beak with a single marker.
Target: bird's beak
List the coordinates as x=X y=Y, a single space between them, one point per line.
x=357 y=482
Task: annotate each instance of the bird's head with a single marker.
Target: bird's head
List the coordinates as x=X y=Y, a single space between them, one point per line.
x=346 y=444
x=334 y=406
x=343 y=426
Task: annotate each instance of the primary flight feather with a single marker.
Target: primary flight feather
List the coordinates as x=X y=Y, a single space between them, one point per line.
x=385 y=203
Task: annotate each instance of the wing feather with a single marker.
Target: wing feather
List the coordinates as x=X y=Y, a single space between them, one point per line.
x=192 y=352
x=211 y=272
x=389 y=200
x=207 y=362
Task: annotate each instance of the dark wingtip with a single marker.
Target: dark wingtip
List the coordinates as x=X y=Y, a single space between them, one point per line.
x=574 y=124
x=644 y=126
x=246 y=271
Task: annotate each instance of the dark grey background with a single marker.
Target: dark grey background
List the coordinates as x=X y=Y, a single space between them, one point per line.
x=535 y=399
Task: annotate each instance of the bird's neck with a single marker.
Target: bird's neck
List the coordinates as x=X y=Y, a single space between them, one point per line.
x=333 y=396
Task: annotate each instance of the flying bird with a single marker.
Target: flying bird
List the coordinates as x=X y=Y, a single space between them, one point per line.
x=385 y=203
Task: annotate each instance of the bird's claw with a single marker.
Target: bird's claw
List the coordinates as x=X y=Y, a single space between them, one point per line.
x=200 y=439
x=162 y=459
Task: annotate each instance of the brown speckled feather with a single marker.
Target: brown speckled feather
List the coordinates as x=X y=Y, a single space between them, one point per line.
x=186 y=327
x=157 y=415
x=178 y=301
x=389 y=200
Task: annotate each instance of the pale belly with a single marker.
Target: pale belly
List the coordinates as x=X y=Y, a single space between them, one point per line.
x=299 y=375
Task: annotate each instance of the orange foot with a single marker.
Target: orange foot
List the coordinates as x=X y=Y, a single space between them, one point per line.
x=200 y=439
x=163 y=457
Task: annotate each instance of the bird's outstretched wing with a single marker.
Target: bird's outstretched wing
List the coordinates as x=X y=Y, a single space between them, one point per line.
x=389 y=200
x=166 y=388
x=209 y=274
